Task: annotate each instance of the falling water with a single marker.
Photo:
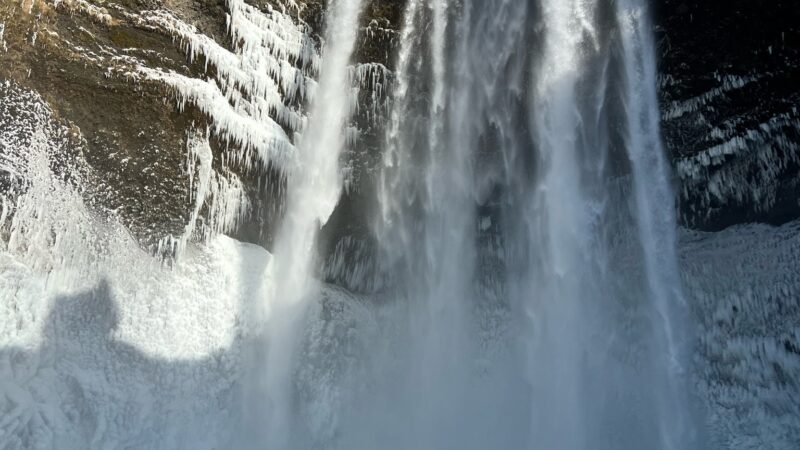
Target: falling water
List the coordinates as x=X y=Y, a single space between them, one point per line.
x=518 y=219
x=556 y=291
x=656 y=224
x=428 y=247
x=312 y=194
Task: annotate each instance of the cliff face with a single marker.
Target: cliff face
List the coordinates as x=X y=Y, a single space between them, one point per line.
x=730 y=108
x=729 y=104
x=117 y=75
x=67 y=52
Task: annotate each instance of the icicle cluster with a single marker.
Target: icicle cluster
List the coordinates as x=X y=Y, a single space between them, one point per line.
x=746 y=167
x=96 y=13
x=221 y=194
x=381 y=31
x=255 y=99
x=2 y=39
x=375 y=80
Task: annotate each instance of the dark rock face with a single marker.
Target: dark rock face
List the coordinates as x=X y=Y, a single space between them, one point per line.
x=730 y=102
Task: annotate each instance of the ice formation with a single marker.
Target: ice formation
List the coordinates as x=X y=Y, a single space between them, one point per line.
x=221 y=194
x=770 y=148
x=727 y=83
x=260 y=86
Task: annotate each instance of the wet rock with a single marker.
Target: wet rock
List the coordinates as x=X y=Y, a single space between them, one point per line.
x=729 y=107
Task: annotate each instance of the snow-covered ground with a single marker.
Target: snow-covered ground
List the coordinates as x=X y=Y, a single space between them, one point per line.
x=103 y=345
x=139 y=355
x=744 y=286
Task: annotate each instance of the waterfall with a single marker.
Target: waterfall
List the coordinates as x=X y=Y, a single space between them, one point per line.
x=558 y=288
x=525 y=193
x=426 y=228
x=313 y=191
x=656 y=225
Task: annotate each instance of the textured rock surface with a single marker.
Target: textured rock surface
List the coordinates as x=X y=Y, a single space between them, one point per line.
x=130 y=136
x=78 y=56
x=730 y=108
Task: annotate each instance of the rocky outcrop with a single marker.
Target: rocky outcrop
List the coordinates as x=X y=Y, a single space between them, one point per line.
x=730 y=108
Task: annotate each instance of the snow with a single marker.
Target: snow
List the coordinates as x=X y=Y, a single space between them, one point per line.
x=101 y=345
x=119 y=361
x=744 y=287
